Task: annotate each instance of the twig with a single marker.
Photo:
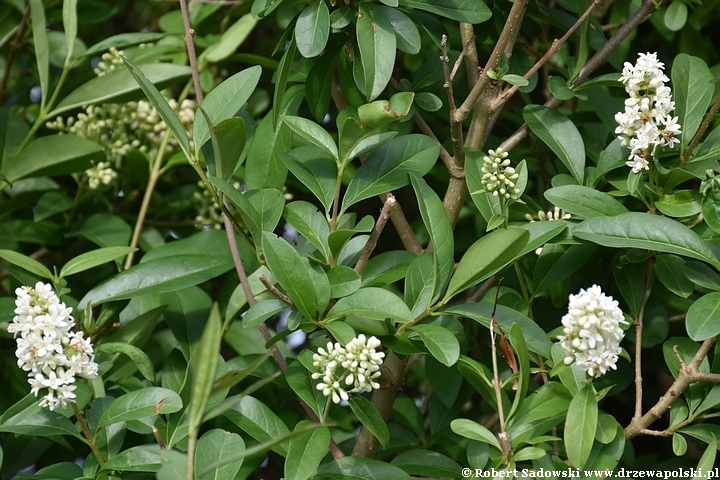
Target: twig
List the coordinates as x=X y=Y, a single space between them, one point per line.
x=444 y=154
x=189 y=34
x=482 y=290
x=14 y=47
x=88 y=435
x=654 y=433
x=272 y=289
x=403 y=228
x=456 y=133
x=553 y=49
x=638 y=340
x=472 y=65
x=677 y=318
x=612 y=26
x=687 y=375
x=375 y=235
x=698 y=135
x=239 y=268
x=466 y=47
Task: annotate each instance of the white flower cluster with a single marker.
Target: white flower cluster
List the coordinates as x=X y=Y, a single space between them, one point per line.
x=349 y=369
x=47 y=349
x=102 y=173
x=647 y=121
x=110 y=61
x=555 y=214
x=498 y=175
x=592 y=331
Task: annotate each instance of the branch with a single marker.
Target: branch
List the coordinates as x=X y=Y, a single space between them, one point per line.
x=456 y=133
x=595 y=61
x=553 y=49
x=638 y=341
x=425 y=128
x=687 y=375
x=377 y=230
x=698 y=135
x=189 y=34
x=272 y=289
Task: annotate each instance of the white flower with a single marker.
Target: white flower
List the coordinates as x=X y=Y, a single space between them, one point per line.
x=647 y=121
x=498 y=175
x=592 y=331
x=47 y=348
x=349 y=369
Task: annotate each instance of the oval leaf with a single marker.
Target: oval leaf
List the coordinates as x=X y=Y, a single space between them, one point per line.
x=370 y=418
x=139 y=404
x=371 y=302
x=580 y=426
x=584 y=202
x=703 y=317
x=94 y=258
x=443 y=345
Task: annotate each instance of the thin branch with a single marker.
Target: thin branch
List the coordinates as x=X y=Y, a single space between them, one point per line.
x=189 y=34
x=468 y=44
x=425 y=128
x=375 y=235
x=698 y=135
x=482 y=290
x=272 y=289
x=88 y=435
x=237 y=260
x=654 y=433
x=553 y=49
x=677 y=318
x=687 y=375
x=638 y=340
x=472 y=65
x=403 y=228
x=456 y=133
x=595 y=61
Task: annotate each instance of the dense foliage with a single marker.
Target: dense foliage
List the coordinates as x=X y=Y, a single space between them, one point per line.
x=358 y=239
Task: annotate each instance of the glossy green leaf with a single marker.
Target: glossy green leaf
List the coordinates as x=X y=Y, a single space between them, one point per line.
x=486 y=256
x=387 y=168
x=542 y=410
x=283 y=72
x=318 y=85
x=255 y=418
x=649 y=232
x=537 y=340
x=29 y=264
x=94 y=258
x=407 y=34
x=298 y=377
x=443 y=345
x=311 y=224
x=141 y=403
x=356 y=468
x=703 y=317
x=517 y=340
x=468 y=11
x=291 y=273
x=230 y=40
x=104 y=230
x=70 y=25
x=370 y=418
x=556 y=263
x=316 y=170
x=28 y=418
x=702 y=275
x=474 y=431
x=426 y=463
x=53 y=155
x=224 y=101
x=560 y=134
x=204 y=364
x=313 y=133
x=119 y=86
x=580 y=426
x=224 y=152
x=693 y=86
x=707 y=462
x=312 y=29
x=386 y=268
x=140 y=458
x=306 y=451
x=42 y=51
x=669 y=269
x=123 y=40
x=420 y=282
x=376 y=42
x=212 y=447
x=584 y=202
x=160 y=103
x=371 y=302
x=138 y=357
x=681 y=203
x=343 y=280
x=261 y=311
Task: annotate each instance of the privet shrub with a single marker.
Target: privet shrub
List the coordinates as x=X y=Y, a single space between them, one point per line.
x=358 y=239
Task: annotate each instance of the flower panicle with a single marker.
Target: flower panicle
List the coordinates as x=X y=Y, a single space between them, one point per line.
x=47 y=349
x=349 y=369
x=498 y=176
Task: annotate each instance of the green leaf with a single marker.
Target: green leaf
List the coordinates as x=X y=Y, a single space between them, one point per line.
x=343 y=280
x=580 y=426
x=693 y=86
x=315 y=169
x=474 y=431
x=485 y=257
x=119 y=86
x=376 y=42
x=42 y=51
x=387 y=168
x=648 y=232
x=283 y=72
x=212 y=447
x=342 y=332
x=123 y=40
x=306 y=451
x=556 y=263
x=560 y=134
x=702 y=275
x=584 y=202
x=669 y=269
x=138 y=357
x=356 y=468
x=298 y=377
x=680 y=203
x=703 y=317
x=139 y=404
x=51 y=203
x=160 y=103
x=204 y=364
x=230 y=40
x=707 y=461
x=255 y=418
x=675 y=16
x=51 y=156
x=468 y=11
x=70 y=26
x=29 y=264
x=311 y=224
x=94 y=258
x=517 y=339
x=261 y=311
x=386 y=268
x=312 y=29
x=438 y=226
x=105 y=230
x=27 y=418
x=224 y=152
x=371 y=302
x=407 y=35
x=291 y=273
x=370 y=418
x=318 y=84
x=141 y=458
x=426 y=463
x=537 y=340
x=513 y=79
x=313 y=133
x=224 y=101
x=542 y=410
x=443 y=345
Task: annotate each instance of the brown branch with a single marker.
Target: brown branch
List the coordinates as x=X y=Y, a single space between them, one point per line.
x=638 y=340
x=272 y=289
x=456 y=133
x=500 y=101
x=687 y=375
x=14 y=47
x=472 y=65
x=425 y=128
x=698 y=135
x=467 y=45
x=482 y=290
x=189 y=34
x=375 y=235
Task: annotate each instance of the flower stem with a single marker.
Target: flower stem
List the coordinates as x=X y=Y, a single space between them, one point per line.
x=88 y=436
